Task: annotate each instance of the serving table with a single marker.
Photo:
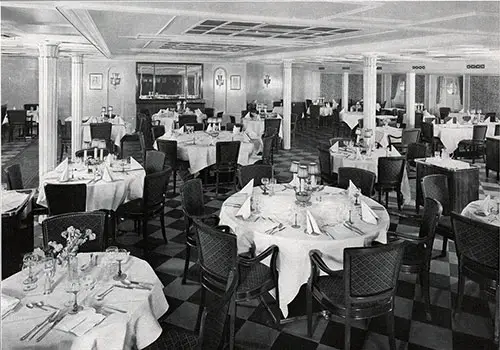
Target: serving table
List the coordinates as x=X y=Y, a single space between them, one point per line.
x=330 y=208
x=138 y=327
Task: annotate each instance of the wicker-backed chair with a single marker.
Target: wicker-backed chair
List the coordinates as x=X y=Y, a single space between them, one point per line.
x=497 y=130
x=254 y=171
x=100 y=134
x=196 y=126
x=157 y=131
x=390 y=171
x=408 y=136
x=90 y=152
x=361 y=178
x=267 y=150
x=473 y=148
x=436 y=187
x=217 y=252
x=150 y=205
x=269 y=125
x=95 y=221
x=186 y=119
x=478 y=258
x=66 y=198
x=325 y=165
x=232 y=119
x=209 y=112
x=366 y=288
x=444 y=112
x=169 y=147
x=226 y=161
x=418 y=253
x=231 y=126
x=427 y=137
x=415 y=151
x=492 y=155
x=17 y=120
x=155 y=162
x=64 y=132
x=193 y=207
x=133 y=145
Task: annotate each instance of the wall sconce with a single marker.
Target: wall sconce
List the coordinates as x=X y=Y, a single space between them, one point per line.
x=267 y=80
x=115 y=79
x=220 y=80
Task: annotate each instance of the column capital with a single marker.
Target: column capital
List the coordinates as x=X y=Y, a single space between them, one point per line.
x=48 y=50
x=287 y=63
x=370 y=60
x=410 y=73
x=77 y=59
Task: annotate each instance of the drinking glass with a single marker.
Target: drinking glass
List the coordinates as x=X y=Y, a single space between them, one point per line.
x=265 y=182
x=120 y=255
x=49 y=268
x=74 y=286
x=110 y=258
x=272 y=183
x=29 y=260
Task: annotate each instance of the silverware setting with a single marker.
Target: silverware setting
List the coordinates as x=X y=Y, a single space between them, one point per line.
x=114 y=308
x=353 y=228
x=39 y=326
x=58 y=319
x=101 y=296
x=275 y=229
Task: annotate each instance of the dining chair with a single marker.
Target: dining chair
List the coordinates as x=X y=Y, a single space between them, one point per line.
x=418 y=252
x=150 y=205
x=232 y=119
x=361 y=178
x=408 y=136
x=209 y=112
x=100 y=134
x=66 y=198
x=492 y=155
x=491 y=116
x=17 y=121
x=474 y=147
x=186 y=119
x=255 y=172
x=133 y=145
x=341 y=130
x=155 y=162
x=415 y=151
x=213 y=325
x=365 y=288
x=169 y=147
x=226 y=161
x=444 y=112
x=64 y=131
x=436 y=187
x=428 y=138
x=157 y=131
x=267 y=150
x=193 y=207
x=325 y=165
x=314 y=113
x=218 y=255
x=230 y=126
x=390 y=171
x=269 y=125
x=497 y=130
x=90 y=152
x=220 y=114
x=478 y=259
x=53 y=226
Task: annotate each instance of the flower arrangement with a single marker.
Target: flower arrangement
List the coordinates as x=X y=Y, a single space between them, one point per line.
x=92 y=161
x=74 y=239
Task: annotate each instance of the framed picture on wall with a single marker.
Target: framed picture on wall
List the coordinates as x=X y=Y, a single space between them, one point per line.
x=95 y=81
x=235 y=82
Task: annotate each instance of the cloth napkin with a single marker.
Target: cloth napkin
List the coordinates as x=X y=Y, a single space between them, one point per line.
x=358 y=153
x=426 y=114
x=134 y=164
x=197 y=112
x=180 y=130
x=450 y=121
x=107 y=176
x=11 y=200
x=62 y=166
x=5 y=121
x=352 y=189
x=485 y=205
x=187 y=109
x=367 y=214
x=8 y=303
x=91 y=120
x=461 y=111
x=118 y=120
x=246 y=208
x=334 y=147
x=209 y=128
x=80 y=323
x=311 y=224
x=65 y=171
x=248 y=189
x=247 y=116
x=236 y=130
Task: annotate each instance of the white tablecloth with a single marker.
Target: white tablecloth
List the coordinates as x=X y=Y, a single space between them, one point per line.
x=382 y=134
x=343 y=159
x=166 y=119
x=117 y=132
x=127 y=186
x=474 y=211
x=452 y=134
x=294 y=245
x=137 y=328
x=351 y=118
x=202 y=154
x=257 y=126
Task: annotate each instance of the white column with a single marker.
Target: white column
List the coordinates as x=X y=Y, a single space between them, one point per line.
x=345 y=91
x=47 y=98
x=76 y=103
x=287 y=103
x=466 y=93
x=369 y=92
x=387 y=89
x=410 y=99
x=426 y=92
x=432 y=93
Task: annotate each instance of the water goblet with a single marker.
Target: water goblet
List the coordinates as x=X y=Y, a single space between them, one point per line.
x=272 y=184
x=49 y=268
x=29 y=260
x=265 y=182
x=120 y=255
x=74 y=286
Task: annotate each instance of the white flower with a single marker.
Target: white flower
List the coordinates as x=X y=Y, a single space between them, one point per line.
x=39 y=252
x=56 y=246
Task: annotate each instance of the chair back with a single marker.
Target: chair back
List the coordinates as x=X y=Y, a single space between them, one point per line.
x=187 y=119
x=90 y=152
x=66 y=198
x=436 y=187
x=272 y=123
x=16 y=116
x=400 y=117
x=192 y=197
x=497 y=130
x=267 y=149
x=427 y=132
x=169 y=147
x=335 y=116
x=53 y=226
x=155 y=162
x=66 y=131
x=492 y=116
x=410 y=136
x=476 y=240
x=232 y=118
x=256 y=172
x=133 y=145
x=226 y=153
x=341 y=130
x=230 y=126
x=209 y=112
x=444 y=112
x=298 y=108
x=278 y=103
x=100 y=131
x=361 y=178
x=430 y=219
x=390 y=170
x=415 y=151
x=479 y=132
x=196 y=126
x=14 y=177
x=220 y=114
x=314 y=111
x=155 y=187
x=308 y=103
x=325 y=160
x=157 y=131
x=371 y=273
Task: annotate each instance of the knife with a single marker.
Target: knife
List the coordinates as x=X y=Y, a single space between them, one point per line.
x=354 y=228
x=41 y=324
x=59 y=319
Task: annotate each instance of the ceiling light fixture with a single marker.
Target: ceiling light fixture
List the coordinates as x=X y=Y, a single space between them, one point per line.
x=267 y=80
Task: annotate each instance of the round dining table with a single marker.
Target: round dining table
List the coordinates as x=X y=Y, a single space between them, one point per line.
x=382 y=134
x=475 y=210
x=256 y=126
x=126 y=318
x=351 y=118
x=330 y=208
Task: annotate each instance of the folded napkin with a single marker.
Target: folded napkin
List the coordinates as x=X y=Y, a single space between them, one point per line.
x=64 y=168
x=311 y=224
x=187 y=109
x=295 y=181
x=176 y=115
x=180 y=130
x=461 y=111
x=334 y=147
x=109 y=159
x=367 y=214
x=236 y=130
x=248 y=189
x=134 y=164
x=209 y=128
x=246 y=208
x=118 y=120
x=91 y=120
x=5 y=121
x=358 y=153
x=80 y=323
x=485 y=205
x=197 y=112
x=352 y=189
x=426 y=114
x=8 y=303
x=107 y=175
x=247 y=116
x=450 y=121
x=12 y=199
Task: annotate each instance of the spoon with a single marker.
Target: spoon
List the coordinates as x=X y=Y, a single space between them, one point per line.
x=41 y=303
x=129 y=283
x=33 y=305
x=101 y=296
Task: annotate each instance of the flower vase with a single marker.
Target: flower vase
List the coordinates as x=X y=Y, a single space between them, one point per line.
x=72 y=261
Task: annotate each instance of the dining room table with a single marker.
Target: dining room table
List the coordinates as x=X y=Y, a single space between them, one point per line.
x=124 y=317
x=256 y=125
x=485 y=210
x=331 y=207
x=382 y=134
x=199 y=147
x=347 y=157
x=127 y=184
x=169 y=118
x=451 y=134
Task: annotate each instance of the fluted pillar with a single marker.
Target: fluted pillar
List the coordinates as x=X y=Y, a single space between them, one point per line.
x=287 y=103
x=369 y=92
x=387 y=89
x=410 y=99
x=47 y=98
x=345 y=91
x=76 y=103
x=466 y=93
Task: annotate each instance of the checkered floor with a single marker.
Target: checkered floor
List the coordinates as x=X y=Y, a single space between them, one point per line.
x=254 y=326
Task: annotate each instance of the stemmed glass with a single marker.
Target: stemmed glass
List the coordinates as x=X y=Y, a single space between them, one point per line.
x=74 y=286
x=29 y=260
x=49 y=267
x=120 y=255
x=265 y=182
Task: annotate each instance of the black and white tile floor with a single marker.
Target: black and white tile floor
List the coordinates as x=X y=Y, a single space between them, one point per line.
x=254 y=326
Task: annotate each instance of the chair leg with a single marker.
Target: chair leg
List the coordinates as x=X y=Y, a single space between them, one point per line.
x=200 y=308
x=380 y=196
x=497 y=315
x=444 y=247
x=400 y=199
x=162 y=221
x=390 y=330
x=387 y=199
x=347 y=333
x=216 y=184
x=145 y=231
x=424 y=284
x=186 y=263
x=309 y=311
x=232 y=321
x=460 y=296
x=175 y=179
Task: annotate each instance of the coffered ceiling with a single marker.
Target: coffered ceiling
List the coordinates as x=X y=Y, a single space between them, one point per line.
x=308 y=32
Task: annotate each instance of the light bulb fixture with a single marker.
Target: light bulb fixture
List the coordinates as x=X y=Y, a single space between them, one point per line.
x=267 y=80
x=220 y=80
x=115 y=79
